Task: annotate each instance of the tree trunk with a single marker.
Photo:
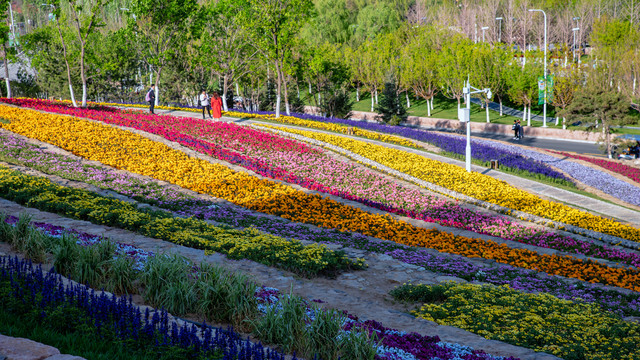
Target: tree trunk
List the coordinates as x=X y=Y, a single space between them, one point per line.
x=286 y=98
x=428 y=108
x=501 y=107
x=372 y=101
x=83 y=76
x=278 y=88
x=66 y=61
x=487 y=109
x=376 y=96
x=524 y=113
x=432 y=103
x=225 y=83
x=459 y=105
x=529 y=116
x=408 y=103
x=157 y=89
x=564 y=123
x=6 y=72
x=358 y=93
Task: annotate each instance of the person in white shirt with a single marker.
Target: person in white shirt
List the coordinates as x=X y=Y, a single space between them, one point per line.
x=204 y=103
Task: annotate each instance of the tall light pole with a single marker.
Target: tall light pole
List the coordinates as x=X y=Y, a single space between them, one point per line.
x=576 y=18
x=544 y=104
x=574 y=42
x=464 y=116
x=499 y=19
x=483 y=29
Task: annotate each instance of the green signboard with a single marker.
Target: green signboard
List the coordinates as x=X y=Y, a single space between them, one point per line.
x=541 y=90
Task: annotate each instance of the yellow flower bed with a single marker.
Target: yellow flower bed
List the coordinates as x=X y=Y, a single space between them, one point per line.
x=135 y=153
x=537 y=321
x=473 y=184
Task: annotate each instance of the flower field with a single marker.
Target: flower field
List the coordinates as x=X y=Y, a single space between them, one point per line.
x=512 y=156
x=294 y=160
x=476 y=185
x=538 y=321
x=516 y=297
x=132 y=152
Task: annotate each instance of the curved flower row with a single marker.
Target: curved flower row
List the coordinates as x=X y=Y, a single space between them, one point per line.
x=168 y=198
x=486 y=150
x=473 y=184
x=622 y=169
x=338 y=178
x=249 y=244
x=132 y=152
x=537 y=321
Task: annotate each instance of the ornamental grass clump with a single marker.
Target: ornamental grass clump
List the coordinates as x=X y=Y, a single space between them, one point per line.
x=571 y=330
x=67 y=308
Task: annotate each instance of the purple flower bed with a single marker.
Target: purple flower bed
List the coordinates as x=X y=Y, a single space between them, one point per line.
x=116 y=317
x=138 y=255
x=394 y=344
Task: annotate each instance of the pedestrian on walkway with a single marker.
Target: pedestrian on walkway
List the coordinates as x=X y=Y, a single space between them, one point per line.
x=216 y=106
x=151 y=98
x=204 y=103
x=520 y=130
x=515 y=129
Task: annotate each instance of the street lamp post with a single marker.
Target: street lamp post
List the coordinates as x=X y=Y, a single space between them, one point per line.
x=574 y=38
x=483 y=29
x=574 y=42
x=499 y=19
x=464 y=115
x=544 y=104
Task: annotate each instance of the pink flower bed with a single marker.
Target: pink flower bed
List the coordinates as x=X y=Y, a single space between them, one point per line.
x=296 y=162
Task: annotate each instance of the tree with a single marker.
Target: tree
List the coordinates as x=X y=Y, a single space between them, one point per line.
x=605 y=105
x=4 y=38
x=274 y=25
x=419 y=65
x=56 y=13
x=453 y=67
x=390 y=109
x=84 y=29
x=225 y=44
x=522 y=85
x=566 y=83
x=160 y=30
x=487 y=66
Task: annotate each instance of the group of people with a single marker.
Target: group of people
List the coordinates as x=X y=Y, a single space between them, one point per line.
x=517 y=129
x=206 y=102
x=211 y=103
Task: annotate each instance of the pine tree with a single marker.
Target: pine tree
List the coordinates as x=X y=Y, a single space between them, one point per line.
x=390 y=108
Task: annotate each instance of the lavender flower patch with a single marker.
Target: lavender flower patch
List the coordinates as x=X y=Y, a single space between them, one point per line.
x=138 y=255
x=394 y=344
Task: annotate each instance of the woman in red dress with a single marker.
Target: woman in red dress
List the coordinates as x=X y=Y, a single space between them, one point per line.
x=216 y=106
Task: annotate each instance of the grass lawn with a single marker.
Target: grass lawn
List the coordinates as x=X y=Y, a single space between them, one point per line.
x=446 y=108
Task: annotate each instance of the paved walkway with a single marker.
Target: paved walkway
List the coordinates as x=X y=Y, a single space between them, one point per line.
x=593 y=205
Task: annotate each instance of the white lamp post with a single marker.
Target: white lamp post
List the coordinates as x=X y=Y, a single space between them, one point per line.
x=544 y=105
x=574 y=37
x=464 y=115
x=574 y=41
x=499 y=19
x=483 y=29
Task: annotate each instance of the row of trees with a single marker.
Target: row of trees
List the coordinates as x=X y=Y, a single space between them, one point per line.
x=273 y=51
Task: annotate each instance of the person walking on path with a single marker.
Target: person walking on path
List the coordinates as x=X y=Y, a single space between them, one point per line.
x=515 y=129
x=520 y=130
x=216 y=106
x=151 y=98
x=204 y=103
